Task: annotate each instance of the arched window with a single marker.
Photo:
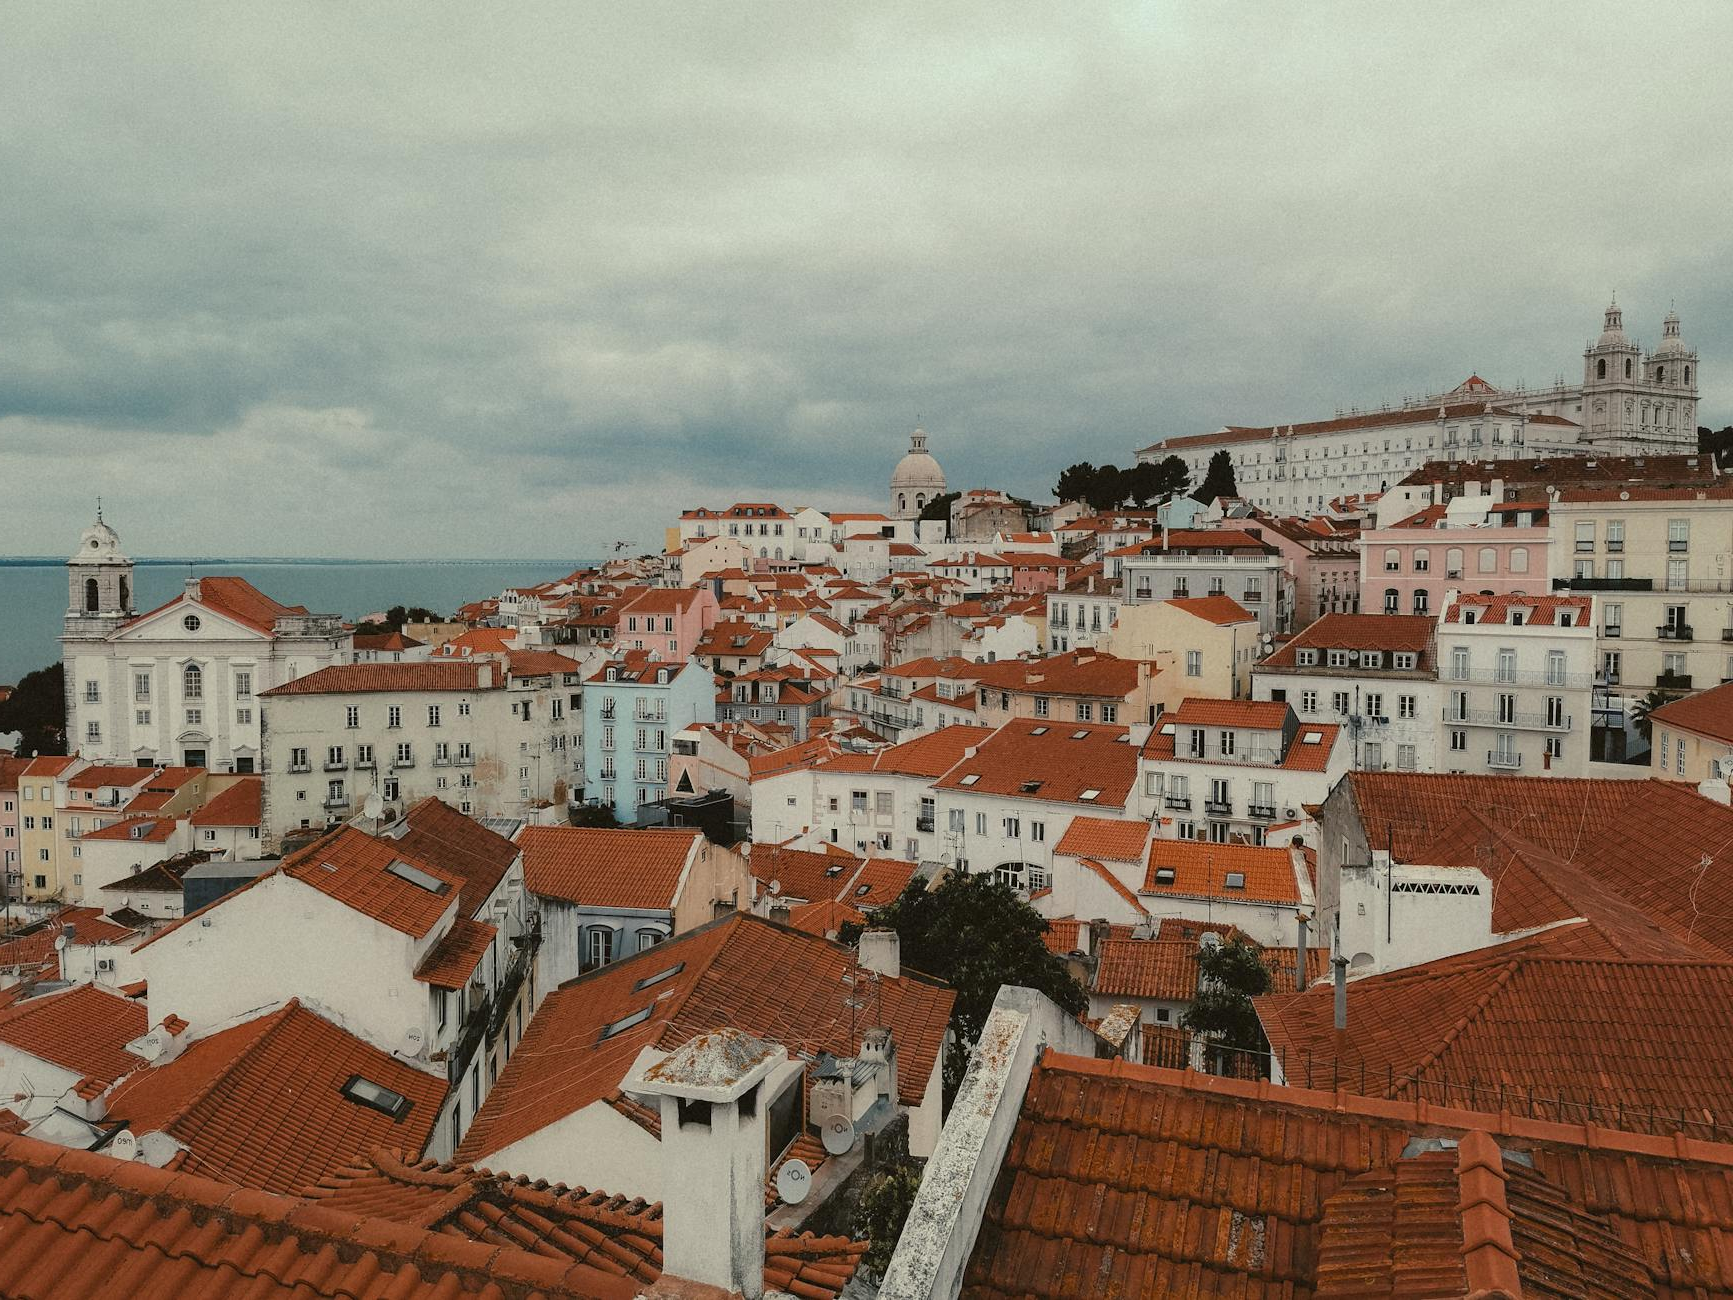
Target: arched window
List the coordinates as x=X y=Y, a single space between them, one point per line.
x=1519 y=559
x=1392 y=601
x=91 y=599
x=125 y=595
x=1422 y=559
x=1420 y=600
x=1488 y=560
x=1661 y=373
x=1392 y=559
x=920 y=501
x=902 y=502
x=1627 y=367
x=1453 y=562
x=1687 y=374
x=193 y=682
x=1601 y=368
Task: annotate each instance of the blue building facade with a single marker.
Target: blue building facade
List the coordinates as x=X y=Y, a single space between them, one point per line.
x=633 y=707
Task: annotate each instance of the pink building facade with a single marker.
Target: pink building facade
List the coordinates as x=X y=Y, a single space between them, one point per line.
x=667 y=621
x=1407 y=567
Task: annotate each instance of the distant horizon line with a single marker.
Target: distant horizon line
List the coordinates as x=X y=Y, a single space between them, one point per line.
x=34 y=561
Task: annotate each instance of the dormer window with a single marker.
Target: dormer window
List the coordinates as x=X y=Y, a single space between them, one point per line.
x=1307 y=658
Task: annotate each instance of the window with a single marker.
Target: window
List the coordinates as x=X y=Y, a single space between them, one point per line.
x=1612 y=620
x=405 y=755
x=1453 y=562
x=141 y=717
x=1555 y=667
x=1519 y=559
x=1405 y=759
x=1392 y=560
x=243 y=685
x=334 y=756
x=191 y=622
x=1583 y=569
x=92 y=693
x=1488 y=559
x=1227 y=743
x=1085 y=711
x=1041 y=706
x=1422 y=560
x=1585 y=535
x=193 y=682
x=141 y=688
x=1420 y=601
x=1194 y=663
x=857 y=801
x=1375 y=705
x=1308 y=701
x=1678 y=534
x=433 y=715
x=352 y=717
x=1676 y=575
x=1506 y=671
x=1110 y=713
x=1374 y=756
x=364 y=1092
x=1392 y=601
x=1012 y=828
x=393 y=716
x=1038 y=832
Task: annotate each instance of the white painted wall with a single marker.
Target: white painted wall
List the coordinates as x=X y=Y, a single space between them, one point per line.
x=594 y=1147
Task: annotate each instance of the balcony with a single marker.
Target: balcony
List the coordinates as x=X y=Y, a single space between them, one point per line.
x=1219 y=807
x=365 y=765
x=399 y=764
x=1673 y=632
x=1672 y=681
x=1615 y=546
x=1502 y=761
x=923 y=823
x=338 y=766
x=1263 y=812
x=1496 y=718
x=465 y=760
x=336 y=802
x=300 y=767
x=440 y=760
x=1179 y=802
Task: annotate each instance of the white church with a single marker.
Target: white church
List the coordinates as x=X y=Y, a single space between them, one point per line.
x=178 y=685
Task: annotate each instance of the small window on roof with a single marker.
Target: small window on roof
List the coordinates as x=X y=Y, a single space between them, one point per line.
x=1038 y=731
x=621 y=1025
x=1235 y=880
x=1312 y=738
x=1164 y=875
x=861 y=891
x=1089 y=795
x=1080 y=735
x=658 y=977
x=364 y=1092
x=416 y=876
x=1030 y=787
x=970 y=779
x=1167 y=728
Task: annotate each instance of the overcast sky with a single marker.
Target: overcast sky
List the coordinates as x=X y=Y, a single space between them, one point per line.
x=414 y=280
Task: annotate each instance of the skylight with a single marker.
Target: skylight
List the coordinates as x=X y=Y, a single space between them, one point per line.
x=417 y=877
x=1088 y=796
x=970 y=779
x=1235 y=880
x=1030 y=787
x=364 y=1092
x=658 y=977
x=1167 y=728
x=1037 y=731
x=621 y=1025
x=1164 y=875
x=1312 y=738
x=1080 y=735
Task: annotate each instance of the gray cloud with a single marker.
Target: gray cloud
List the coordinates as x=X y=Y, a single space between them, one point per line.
x=400 y=280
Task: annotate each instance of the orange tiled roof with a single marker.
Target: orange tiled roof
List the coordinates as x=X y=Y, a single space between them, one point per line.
x=825 y=918
x=1218 y=609
x=1257 y=715
x=1057 y=761
x=81 y=1224
x=540 y=663
x=741 y=971
x=1201 y=870
x=593 y=867
x=450 y=962
x=1537 y=611
x=1627 y=855
x=1160 y=969
x=1707 y=713
x=353 y=867
x=1111 y=839
x=238 y=599
x=1089 y=673
x=83 y=1028
x=1390 y=632
x=1064 y=934
x=37 y=945
x=262 y=1105
x=1150 y=1181
x=238 y=805
x=361 y=679
x=437 y=833
x=614 y=1234
x=830 y=874
x=100 y=774
x=144 y=830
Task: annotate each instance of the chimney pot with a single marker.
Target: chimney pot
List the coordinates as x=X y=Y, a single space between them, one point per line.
x=881 y=951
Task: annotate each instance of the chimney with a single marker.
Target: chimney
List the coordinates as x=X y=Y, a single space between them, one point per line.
x=1300 y=956
x=1099 y=931
x=192 y=589
x=881 y=951
x=880 y=1048
x=1341 y=966
x=715 y=1093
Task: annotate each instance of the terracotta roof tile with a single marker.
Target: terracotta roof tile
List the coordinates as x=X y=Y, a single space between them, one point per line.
x=1060 y=762
x=356 y=869
x=1136 y=1180
x=1193 y=869
x=592 y=867
x=361 y=679
x=1220 y=610
x=36 y=943
x=1088 y=673
x=261 y=1104
x=83 y=1028
x=238 y=805
x=80 y=1225
x=451 y=962
x=1387 y=632
x=741 y=971
x=437 y=833
x=236 y=598
x=1707 y=713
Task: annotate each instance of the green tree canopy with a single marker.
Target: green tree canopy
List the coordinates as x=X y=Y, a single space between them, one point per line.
x=37 y=711
x=940 y=506
x=975 y=934
x=1218 y=481
x=1230 y=975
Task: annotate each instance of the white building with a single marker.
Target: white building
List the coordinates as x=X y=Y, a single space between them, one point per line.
x=180 y=684
x=916 y=480
x=470 y=731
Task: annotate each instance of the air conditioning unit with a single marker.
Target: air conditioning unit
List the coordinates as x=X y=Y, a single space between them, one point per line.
x=104 y=964
x=1290 y=813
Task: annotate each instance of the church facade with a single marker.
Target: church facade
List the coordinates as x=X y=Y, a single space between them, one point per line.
x=178 y=685
x=1628 y=403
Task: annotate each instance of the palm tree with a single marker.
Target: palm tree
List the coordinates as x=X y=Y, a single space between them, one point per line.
x=1641 y=710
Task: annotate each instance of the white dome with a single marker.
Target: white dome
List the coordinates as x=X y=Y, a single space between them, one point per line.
x=1670 y=341
x=99 y=542
x=917 y=468
x=1613 y=329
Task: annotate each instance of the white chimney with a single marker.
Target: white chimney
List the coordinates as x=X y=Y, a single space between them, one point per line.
x=882 y=951
x=715 y=1094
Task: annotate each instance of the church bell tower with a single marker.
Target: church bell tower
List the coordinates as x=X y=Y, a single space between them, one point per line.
x=98 y=584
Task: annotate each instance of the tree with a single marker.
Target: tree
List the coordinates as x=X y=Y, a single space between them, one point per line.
x=1717 y=443
x=1229 y=976
x=1076 y=482
x=595 y=815
x=36 y=710
x=975 y=934
x=1142 y=483
x=1172 y=477
x=1643 y=709
x=1218 y=481
x=883 y=1209
x=940 y=506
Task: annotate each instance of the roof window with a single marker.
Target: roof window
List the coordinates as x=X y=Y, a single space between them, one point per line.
x=417 y=877
x=1089 y=796
x=1312 y=738
x=621 y=1025
x=970 y=779
x=1030 y=787
x=1164 y=875
x=658 y=977
x=1235 y=880
x=375 y=1096
x=1080 y=735
x=1167 y=728
x=1037 y=731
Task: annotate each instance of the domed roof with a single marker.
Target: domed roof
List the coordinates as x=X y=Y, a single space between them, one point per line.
x=1670 y=340
x=1613 y=331
x=917 y=469
x=98 y=544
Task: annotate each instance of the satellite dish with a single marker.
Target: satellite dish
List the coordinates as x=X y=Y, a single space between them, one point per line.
x=412 y=1040
x=124 y=1146
x=794 y=1181
x=774 y=888
x=372 y=806
x=838 y=1134
x=60 y=941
